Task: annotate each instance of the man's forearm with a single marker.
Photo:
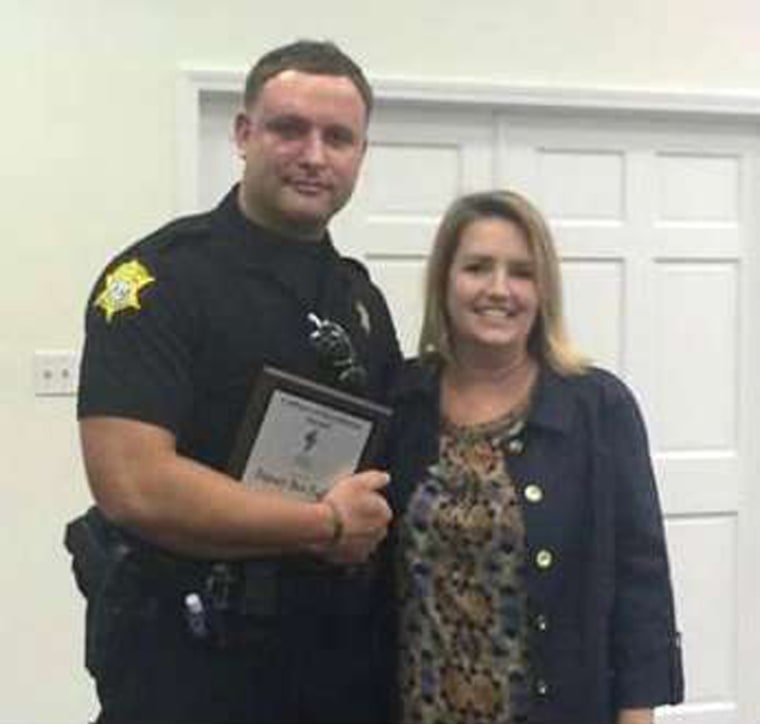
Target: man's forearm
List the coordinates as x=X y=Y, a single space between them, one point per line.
x=201 y=514
x=142 y=484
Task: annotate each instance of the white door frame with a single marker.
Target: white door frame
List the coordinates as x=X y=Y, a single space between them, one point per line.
x=196 y=85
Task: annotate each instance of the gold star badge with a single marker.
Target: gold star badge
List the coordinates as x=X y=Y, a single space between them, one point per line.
x=122 y=288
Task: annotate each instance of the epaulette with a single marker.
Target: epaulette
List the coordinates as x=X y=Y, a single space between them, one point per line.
x=180 y=230
x=355 y=266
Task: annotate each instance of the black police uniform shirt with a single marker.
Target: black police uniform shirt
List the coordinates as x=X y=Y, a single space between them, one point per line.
x=181 y=322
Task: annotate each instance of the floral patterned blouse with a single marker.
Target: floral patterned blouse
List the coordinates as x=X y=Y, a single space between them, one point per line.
x=463 y=656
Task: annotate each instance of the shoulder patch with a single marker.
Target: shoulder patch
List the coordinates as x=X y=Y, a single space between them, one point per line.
x=122 y=287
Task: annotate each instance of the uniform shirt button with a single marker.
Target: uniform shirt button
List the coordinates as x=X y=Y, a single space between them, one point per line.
x=544 y=559
x=540 y=622
x=533 y=493
x=542 y=688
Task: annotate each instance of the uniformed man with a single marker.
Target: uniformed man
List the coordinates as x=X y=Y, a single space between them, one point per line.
x=209 y=601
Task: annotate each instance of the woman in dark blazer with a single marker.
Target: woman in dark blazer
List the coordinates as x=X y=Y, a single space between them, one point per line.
x=532 y=566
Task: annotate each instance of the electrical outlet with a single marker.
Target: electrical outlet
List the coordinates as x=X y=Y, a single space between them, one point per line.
x=56 y=373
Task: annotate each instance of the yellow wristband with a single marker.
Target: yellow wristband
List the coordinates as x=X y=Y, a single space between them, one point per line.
x=337 y=522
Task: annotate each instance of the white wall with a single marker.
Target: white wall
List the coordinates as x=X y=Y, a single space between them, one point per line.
x=87 y=164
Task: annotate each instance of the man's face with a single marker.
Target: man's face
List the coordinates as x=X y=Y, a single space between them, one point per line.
x=302 y=142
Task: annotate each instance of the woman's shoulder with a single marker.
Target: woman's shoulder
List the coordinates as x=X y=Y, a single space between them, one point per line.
x=598 y=382
x=416 y=376
x=595 y=387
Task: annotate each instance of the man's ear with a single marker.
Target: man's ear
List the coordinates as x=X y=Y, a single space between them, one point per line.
x=242 y=131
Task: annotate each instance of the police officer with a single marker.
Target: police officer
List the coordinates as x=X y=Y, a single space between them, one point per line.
x=209 y=601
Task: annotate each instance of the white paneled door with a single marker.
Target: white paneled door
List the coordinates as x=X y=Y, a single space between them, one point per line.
x=655 y=221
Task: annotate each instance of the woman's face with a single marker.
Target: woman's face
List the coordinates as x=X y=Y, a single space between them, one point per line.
x=492 y=298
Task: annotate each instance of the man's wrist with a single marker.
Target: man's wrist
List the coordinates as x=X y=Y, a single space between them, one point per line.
x=336 y=520
x=331 y=528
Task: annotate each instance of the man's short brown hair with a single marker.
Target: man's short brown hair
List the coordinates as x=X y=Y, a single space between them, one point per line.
x=306 y=56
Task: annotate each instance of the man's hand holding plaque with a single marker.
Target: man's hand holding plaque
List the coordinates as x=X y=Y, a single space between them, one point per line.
x=315 y=443
x=361 y=516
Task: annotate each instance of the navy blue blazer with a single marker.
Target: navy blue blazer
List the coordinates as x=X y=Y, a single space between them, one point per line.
x=602 y=623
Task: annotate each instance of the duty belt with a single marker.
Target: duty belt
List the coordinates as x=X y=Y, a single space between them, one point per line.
x=257 y=587
x=263 y=586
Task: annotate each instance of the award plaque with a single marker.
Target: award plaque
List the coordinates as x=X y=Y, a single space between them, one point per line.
x=299 y=437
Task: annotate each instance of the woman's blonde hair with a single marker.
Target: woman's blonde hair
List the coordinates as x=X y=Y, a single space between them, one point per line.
x=548 y=341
